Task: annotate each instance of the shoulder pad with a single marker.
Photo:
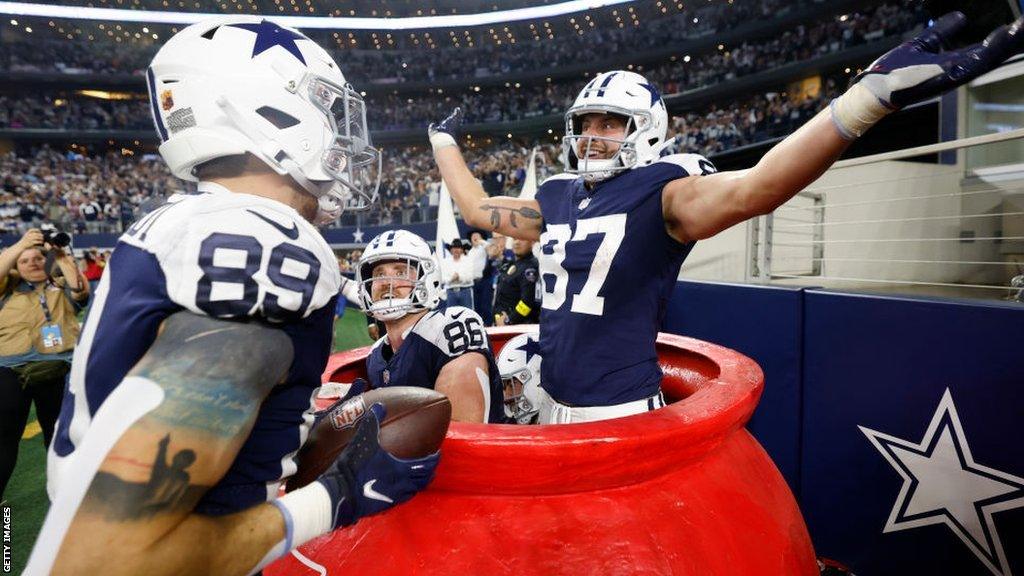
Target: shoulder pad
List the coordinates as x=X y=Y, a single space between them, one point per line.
x=454 y=330
x=693 y=164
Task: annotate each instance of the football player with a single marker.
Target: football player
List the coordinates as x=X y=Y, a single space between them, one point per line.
x=446 y=350
x=519 y=362
x=615 y=228
x=192 y=385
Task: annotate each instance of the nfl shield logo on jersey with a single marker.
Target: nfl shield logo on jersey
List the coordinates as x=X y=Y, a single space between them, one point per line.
x=348 y=413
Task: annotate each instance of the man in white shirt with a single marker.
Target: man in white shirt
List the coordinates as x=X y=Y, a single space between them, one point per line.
x=460 y=270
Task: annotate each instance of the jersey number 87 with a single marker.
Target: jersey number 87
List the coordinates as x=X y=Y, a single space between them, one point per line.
x=612 y=229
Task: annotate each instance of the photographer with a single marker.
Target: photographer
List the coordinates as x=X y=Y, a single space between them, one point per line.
x=41 y=293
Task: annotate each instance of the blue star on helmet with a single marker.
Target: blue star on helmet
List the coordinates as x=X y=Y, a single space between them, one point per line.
x=655 y=95
x=269 y=35
x=531 y=348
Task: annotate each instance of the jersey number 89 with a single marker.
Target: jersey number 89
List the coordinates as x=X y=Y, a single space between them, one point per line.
x=244 y=276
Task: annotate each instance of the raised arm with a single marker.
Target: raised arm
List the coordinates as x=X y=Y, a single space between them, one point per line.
x=9 y=256
x=509 y=216
x=699 y=207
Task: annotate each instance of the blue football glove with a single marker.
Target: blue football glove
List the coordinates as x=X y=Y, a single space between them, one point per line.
x=919 y=69
x=443 y=133
x=366 y=479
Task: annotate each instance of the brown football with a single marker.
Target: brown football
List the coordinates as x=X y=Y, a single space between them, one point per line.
x=414 y=427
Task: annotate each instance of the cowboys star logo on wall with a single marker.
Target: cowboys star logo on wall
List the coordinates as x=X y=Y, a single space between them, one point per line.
x=942 y=484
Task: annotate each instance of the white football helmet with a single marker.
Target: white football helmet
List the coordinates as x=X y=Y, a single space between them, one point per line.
x=399 y=246
x=519 y=366
x=626 y=94
x=236 y=84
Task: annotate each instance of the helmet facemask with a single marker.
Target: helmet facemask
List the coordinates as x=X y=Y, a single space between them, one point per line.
x=392 y=306
x=351 y=163
x=593 y=169
x=517 y=405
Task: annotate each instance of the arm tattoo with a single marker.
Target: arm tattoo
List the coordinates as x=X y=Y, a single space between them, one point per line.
x=523 y=211
x=214 y=372
x=168 y=489
x=215 y=375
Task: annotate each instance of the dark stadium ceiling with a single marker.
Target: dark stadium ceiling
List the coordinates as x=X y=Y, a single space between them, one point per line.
x=365 y=8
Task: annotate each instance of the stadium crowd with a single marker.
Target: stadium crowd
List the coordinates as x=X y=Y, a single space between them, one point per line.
x=408 y=112
x=64 y=113
x=105 y=192
x=505 y=104
x=394 y=111
x=78 y=192
x=407 y=61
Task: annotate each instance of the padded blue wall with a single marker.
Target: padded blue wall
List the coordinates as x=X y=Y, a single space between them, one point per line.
x=842 y=369
x=885 y=364
x=765 y=324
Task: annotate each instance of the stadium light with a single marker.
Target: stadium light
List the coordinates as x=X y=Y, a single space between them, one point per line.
x=309 y=22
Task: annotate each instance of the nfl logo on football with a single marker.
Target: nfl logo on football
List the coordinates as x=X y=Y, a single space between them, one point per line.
x=349 y=412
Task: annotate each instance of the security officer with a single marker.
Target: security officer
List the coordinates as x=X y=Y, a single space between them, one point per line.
x=515 y=300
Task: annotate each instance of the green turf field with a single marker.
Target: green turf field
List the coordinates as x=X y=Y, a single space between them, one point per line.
x=26 y=492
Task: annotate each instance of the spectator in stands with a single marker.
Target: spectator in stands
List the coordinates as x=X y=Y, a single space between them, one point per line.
x=515 y=298
x=459 y=271
x=39 y=328
x=94 y=265
x=91 y=212
x=483 y=288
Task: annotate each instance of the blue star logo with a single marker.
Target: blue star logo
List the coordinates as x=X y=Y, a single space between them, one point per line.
x=531 y=348
x=655 y=95
x=942 y=484
x=269 y=35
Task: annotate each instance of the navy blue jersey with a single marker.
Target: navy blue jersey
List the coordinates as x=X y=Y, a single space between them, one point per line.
x=609 y=266
x=225 y=255
x=435 y=340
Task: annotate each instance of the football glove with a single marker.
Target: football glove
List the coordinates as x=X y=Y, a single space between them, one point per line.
x=920 y=69
x=366 y=479
x=443 y=133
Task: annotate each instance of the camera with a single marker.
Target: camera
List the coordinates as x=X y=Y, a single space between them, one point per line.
x=54 y=237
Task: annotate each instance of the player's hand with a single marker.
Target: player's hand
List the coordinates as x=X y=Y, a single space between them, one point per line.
x=443 y=133
x=366 y=479
x=450 y=125
x=920 y=69
x=357 y=387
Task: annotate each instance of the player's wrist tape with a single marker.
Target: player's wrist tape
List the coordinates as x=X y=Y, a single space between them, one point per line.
x=440 y=140
x=856 y=111
x=307 y=514
x=523 y=309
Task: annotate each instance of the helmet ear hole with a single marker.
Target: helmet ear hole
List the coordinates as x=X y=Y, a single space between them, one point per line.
x=209 y=33
x=278 y=118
